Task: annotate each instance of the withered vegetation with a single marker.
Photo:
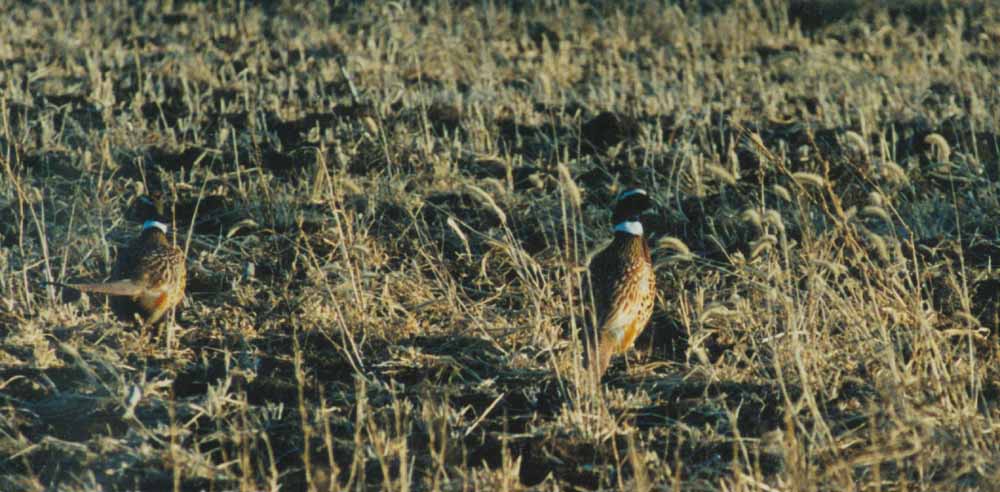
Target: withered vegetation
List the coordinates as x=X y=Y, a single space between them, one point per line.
x=387 y=211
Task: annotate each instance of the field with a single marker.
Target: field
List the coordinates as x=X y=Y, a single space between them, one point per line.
x=388 y=209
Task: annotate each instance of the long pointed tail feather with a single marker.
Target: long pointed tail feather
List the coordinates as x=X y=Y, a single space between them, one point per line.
x=605 y=351
x=116 y=288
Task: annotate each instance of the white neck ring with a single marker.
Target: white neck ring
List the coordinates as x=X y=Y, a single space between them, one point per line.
x=152 y=223
x=633 y=227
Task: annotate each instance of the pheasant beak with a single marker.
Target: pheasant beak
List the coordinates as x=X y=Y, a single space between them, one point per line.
x=651 y=211
x=651 y=207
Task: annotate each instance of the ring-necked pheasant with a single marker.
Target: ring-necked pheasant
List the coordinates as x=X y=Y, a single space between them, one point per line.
x=623 y=282
x=149 y=275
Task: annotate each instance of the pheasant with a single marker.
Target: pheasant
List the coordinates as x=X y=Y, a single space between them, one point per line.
x=623 y=283
x=149 y=276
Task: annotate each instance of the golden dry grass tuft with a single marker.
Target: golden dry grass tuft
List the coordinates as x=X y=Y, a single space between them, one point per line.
x=388 y=208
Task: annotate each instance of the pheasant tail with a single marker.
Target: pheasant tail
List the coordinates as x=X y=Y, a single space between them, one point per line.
x=117 y=288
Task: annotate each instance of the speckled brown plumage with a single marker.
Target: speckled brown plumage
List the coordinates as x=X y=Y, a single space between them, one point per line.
x=149 y=275
x=624 y=285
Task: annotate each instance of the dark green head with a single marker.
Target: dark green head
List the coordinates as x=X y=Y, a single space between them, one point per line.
x=149 y=207
x=150 y=211
x=629 y=205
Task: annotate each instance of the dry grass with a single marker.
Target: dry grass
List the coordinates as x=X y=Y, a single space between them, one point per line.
x=387 y=211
